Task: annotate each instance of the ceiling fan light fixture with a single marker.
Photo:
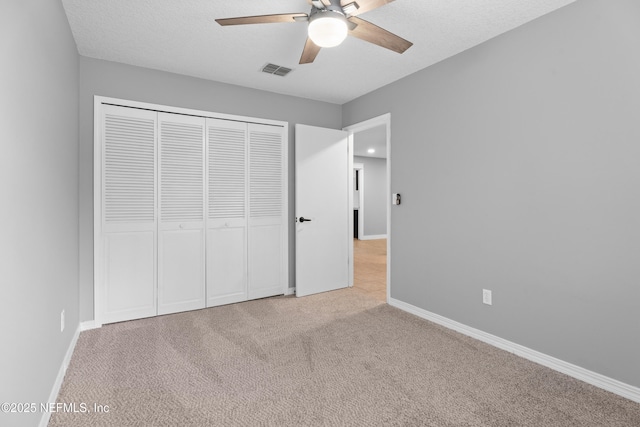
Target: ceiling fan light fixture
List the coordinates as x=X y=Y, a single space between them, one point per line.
x=328 y=28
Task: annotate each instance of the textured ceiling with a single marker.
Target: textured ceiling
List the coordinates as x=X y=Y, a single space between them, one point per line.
x=181 y=36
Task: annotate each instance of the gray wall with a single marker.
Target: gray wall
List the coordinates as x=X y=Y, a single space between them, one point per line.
x=519 y=166
x=375 y=194
x=39 y=207
x=140 y=84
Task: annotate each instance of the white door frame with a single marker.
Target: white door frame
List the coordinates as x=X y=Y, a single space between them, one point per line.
x=383 y=120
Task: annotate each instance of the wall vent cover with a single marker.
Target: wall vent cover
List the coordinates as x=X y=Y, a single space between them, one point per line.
x=277 y=70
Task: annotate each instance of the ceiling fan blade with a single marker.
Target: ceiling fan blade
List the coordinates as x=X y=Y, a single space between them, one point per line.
x=364 y=5
x=310 y=52
x=264 y=19
x=371 y=33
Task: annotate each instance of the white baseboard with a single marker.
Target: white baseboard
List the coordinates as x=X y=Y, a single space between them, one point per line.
x=61 y=372
x=290 y=291
x=373 y=237
x=614 y=386
x=89 y=324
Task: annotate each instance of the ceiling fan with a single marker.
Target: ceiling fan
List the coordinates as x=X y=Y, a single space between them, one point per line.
x=330 y=21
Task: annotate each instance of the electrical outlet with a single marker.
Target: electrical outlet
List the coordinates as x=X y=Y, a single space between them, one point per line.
x=62 y=321
x=486 y=296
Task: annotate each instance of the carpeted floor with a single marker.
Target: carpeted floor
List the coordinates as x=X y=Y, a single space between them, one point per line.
x=335 y=359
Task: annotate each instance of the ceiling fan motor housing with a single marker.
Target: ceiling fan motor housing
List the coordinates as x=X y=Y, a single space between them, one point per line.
x=333 y=8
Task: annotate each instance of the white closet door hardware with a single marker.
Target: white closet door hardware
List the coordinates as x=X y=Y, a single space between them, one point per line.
x=227 y=212
x=267 y=228
x=129 y=213
x=181 y=239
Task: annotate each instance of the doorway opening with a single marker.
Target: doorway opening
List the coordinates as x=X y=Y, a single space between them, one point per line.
x=369 y=204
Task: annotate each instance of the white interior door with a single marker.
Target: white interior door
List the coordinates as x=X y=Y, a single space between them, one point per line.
x=267 y=211
x=127 y=201
x=181 y=239
x=189 y=211
x=322 y=218
x=227 y=217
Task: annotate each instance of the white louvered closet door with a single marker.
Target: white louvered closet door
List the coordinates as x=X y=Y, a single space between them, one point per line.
x=128 y=221
x=267 y=204
x=227 y=212
x=181 y=238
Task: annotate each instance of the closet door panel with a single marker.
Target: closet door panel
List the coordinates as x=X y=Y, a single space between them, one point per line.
x=226 y=265
x=130 y=276
x=266 y=278
x=128 y=221
x=267 y=207
x=181 y=243
x=227 y=212
x=182 y=270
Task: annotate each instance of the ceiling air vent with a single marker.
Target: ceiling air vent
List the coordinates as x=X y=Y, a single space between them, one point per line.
x=276 y=69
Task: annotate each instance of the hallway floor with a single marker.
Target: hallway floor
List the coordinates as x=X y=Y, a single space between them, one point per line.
x=370 y=267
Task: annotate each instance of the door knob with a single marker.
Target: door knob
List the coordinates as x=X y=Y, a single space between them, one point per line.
x=303 y=219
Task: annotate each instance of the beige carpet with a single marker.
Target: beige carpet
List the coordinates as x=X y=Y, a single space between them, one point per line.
x=336 y=359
